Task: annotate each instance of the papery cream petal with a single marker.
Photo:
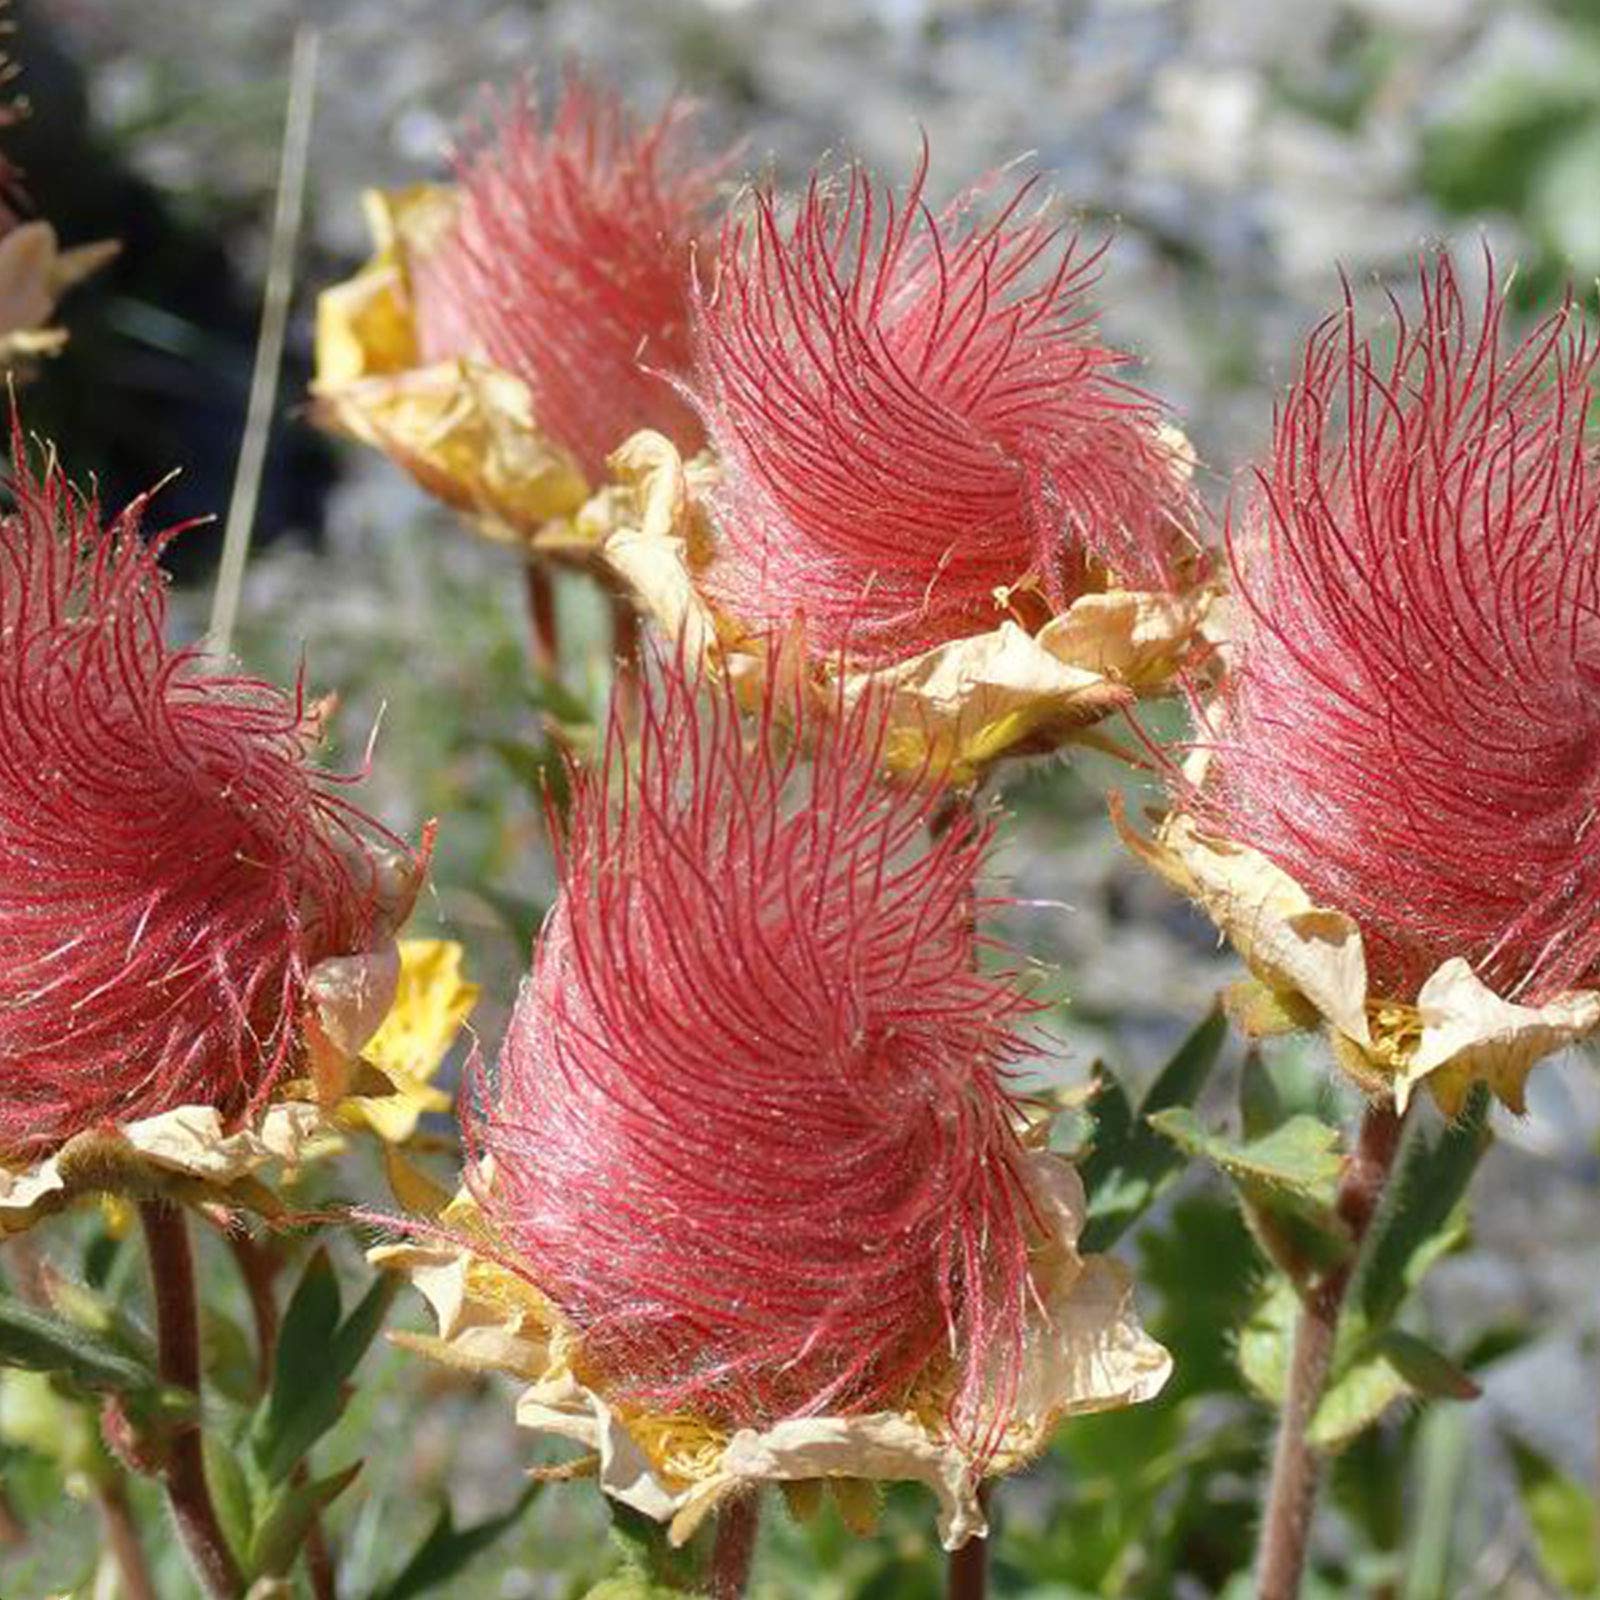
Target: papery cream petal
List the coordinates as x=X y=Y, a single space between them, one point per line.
x=1085 y=1352
x=1286 y=939
x=1469 y=1033
x=177 y=1150
x=1457 y=1032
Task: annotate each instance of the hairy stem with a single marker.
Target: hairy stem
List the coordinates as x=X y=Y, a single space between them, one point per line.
x=734 y=1547
x=1292 y=1495
x=178 y=1359
x=122 y=1540
x=544 y=630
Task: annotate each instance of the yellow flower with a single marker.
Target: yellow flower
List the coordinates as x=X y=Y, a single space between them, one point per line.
x=464 y=429
x=432 y=1001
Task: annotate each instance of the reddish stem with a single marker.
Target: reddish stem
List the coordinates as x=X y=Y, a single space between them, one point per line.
x=258 y=1267
x=1292 y=1496
x=735 y=1546
x=122 y=1539
x=544 y=630
x=967 y=1577
x=178 y=1361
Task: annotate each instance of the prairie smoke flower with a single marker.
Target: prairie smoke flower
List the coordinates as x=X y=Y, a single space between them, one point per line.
x=928 y=462
x=517 y=328
x=1409 y=736
x=751 y=1150
x=187 y=906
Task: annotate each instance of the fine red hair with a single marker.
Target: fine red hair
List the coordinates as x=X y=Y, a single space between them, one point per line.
x=913 y=412
x=752 y=1132
x=1412 y=728
x=568 y=264
x=171 y=865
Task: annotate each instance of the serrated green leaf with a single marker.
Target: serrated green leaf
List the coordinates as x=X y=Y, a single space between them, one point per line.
x=1129 y=1164
x=1385 y=1369
x=1561 y=1512
x=1356 y=1399
x=1266 y=1339
x=280 y=1534
x=308 y=1325
x=316 y=1356
x=1423 y=1217
x=1297 y=1163
x=447 y=1548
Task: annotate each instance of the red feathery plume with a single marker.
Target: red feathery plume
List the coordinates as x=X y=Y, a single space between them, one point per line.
x=569 y=265
x=1412 y=730
x=752 y=1133
x=171 y=867
x=911 y=413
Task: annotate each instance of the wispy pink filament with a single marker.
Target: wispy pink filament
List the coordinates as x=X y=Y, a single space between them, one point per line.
x=171 y=867
x=1413 y=728
x=912 y=412
x=751 y=1131
x=569 y=265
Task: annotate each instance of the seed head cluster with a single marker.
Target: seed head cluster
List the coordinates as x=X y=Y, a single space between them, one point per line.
x=1412 y=730
x=751 y=1130
x=171 y=865
x=912 y=412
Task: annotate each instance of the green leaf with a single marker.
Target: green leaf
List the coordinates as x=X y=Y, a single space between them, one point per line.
x=286 y=1518
x=1561 y=1512
x=536 y=767
x=447 y=1548
x=1391 y=1367
x=1261 y=1104
x=548 y=696
x=1129 y=1164
x=230 y=1492
x=648 y=1553
x=634 y=1585
x=1424 y=1217
x=316 y=1356
x=1440 y=1453
x=1266 y=1339
x=1200 y=1264
x=1297 y=1163
x=80 y=1357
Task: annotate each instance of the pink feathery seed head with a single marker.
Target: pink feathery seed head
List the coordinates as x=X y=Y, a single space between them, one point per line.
x=1412 y=728
x=752 y=1131
x=569 y=264
x=171 y=866
x=913 y=412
